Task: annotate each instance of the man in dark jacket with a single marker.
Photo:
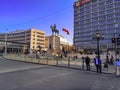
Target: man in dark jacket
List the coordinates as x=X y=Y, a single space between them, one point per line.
x=97 y=62
x=87 y=61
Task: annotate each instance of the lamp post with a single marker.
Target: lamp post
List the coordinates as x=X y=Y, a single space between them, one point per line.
x=114 y=39
x=5 y=43
x=98 y=37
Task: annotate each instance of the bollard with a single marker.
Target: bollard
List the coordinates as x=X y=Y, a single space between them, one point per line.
x=68 y=61
x=57 y=61
x=83 y=63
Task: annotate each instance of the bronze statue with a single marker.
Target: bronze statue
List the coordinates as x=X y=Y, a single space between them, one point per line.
x=54 y=30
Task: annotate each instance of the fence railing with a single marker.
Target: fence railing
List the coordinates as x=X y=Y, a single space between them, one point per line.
x=67 y=62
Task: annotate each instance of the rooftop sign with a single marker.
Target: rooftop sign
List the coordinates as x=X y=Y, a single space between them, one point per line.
x=78 y=3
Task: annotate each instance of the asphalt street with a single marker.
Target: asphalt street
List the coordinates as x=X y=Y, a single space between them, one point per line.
x=16 y=75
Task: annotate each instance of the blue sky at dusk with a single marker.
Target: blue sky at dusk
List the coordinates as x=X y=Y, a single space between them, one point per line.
x=39 y=14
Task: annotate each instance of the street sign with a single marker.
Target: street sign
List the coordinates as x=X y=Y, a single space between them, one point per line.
x=118 y=41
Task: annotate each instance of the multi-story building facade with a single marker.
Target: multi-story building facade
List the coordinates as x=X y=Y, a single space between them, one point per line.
x=92 y=15
x=31 y=37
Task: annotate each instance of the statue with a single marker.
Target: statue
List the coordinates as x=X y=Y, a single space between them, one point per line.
x=54 y=30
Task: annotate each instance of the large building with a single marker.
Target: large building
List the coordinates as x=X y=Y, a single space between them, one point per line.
x=92 y=15
x=31 y=37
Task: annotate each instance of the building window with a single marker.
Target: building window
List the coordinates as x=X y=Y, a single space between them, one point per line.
x=117 y=15
x=109 y=11
x=102 y=13
x=102 y=22
x=94 y=5
x=110 y=16
x=117 y=5
x=110 y=21
x=109 y=6
x=109 y=1
x=101 y=4
x=101 y=8
x=117 y=0
x=94 y=19
x=117 y=9
x=94 y=10
x=102 y=27
x=94 y=14
x=102 y=17
x=110 y=26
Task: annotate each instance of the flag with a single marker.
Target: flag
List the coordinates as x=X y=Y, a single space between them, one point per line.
x=65 y=30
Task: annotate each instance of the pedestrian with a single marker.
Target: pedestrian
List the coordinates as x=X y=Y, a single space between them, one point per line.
x=117 y=66
x=97 y=62
x=107 y=59
x=87 y=61
x=111 y=60
x=83 y=62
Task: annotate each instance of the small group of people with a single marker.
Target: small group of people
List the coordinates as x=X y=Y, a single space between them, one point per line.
x=109 y=61
x=97 y=62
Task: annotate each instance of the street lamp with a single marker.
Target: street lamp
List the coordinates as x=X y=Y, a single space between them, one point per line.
x=98 y=37
x=5 y=43
x=114 y=39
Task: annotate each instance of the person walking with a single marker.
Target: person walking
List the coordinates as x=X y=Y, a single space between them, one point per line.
x=117 y=66
x=87 y=61
x=97 y=62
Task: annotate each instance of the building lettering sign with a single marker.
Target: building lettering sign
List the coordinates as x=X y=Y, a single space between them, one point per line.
x=78 y=3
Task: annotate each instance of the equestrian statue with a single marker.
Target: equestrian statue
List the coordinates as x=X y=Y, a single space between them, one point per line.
x=54 y=30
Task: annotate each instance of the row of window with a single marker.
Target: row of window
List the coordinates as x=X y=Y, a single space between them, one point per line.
x=96 y=3
x=104 y=14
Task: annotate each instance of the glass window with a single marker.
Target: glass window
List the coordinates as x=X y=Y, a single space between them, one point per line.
x=87 y=12
x=88 y=25
x=110 y=26
x=101 y=8
x=94 y=5
x=109 y=11
x=117 y=9
x=95 y=28
x=88 y=20
x=102 y=13
x=94 y=14
x=110 y=21
x=117 y=0
x=110 y=16
x=81 y=9
x=102 y=27
x=117 y=4
x=87 y=16
x=102 y=22
x=82 y=18
x=94 y=1
x=117 y=15
x=88 y=8
x=109 y=6
x=102 y=17
x=101 y=3
x=94 y=19
x=109 y=1
x=118 y=20
x=94 y=10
